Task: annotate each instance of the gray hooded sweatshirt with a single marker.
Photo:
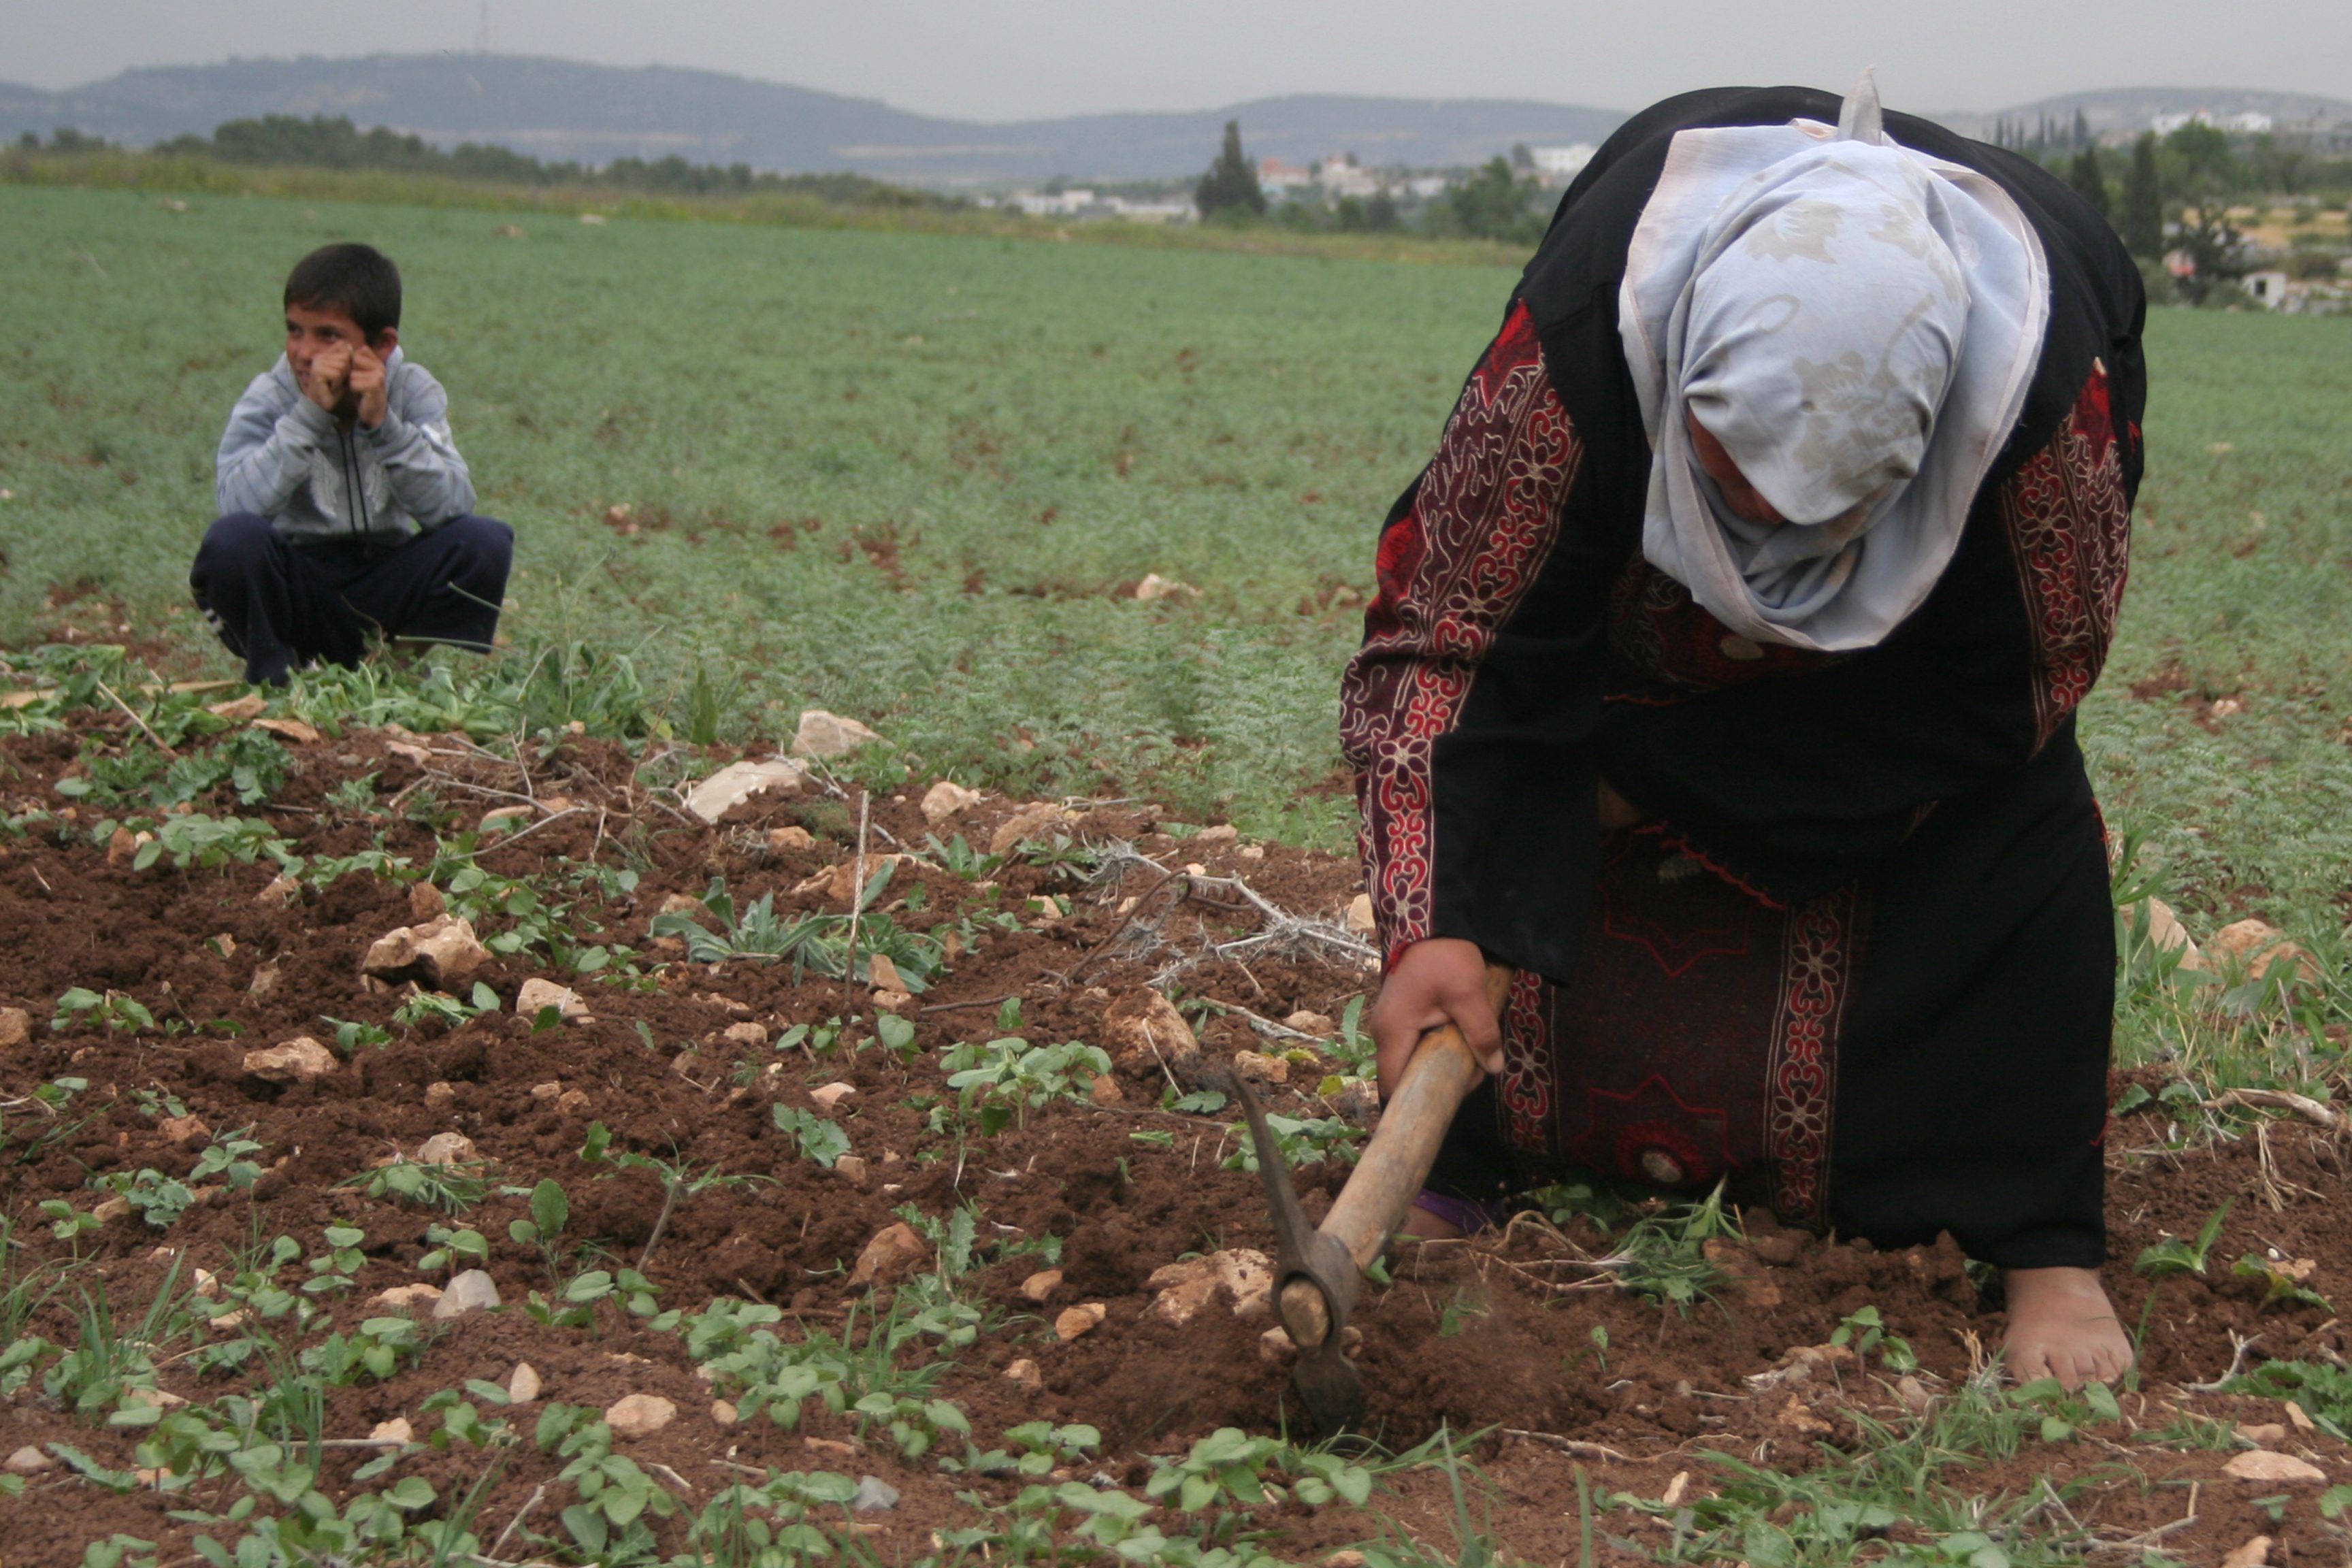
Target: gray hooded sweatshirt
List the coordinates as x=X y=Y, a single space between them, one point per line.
x=283 y=459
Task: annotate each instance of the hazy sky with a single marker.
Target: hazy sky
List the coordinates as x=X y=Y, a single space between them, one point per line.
x=1004 y=59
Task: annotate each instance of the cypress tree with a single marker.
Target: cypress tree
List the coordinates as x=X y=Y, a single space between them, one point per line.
x=2090 y=182
x=2144 y=202
x=1230 y=187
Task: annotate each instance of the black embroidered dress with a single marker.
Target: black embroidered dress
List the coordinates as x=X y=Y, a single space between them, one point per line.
x=1859 y=957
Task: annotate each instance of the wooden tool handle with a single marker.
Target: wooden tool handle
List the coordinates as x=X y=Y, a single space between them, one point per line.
x=1397 y=1160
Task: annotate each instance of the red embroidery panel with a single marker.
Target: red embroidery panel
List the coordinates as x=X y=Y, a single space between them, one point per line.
x=1452 y=571
x=2070 y=532
x=1695 y=1043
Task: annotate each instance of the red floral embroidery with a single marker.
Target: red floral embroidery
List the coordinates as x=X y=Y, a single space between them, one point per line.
x=2069 y=530
x=1526 y=1091
x=1817 y=952
x=1452 y=571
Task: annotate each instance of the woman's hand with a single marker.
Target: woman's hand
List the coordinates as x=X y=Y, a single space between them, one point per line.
x=1439 y=981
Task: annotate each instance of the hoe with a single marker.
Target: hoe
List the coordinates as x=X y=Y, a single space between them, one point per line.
x=1318 y=1271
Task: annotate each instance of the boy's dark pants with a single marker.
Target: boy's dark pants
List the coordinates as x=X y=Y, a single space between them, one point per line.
x=279 y=604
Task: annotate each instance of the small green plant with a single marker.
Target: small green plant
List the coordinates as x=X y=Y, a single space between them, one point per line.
x=194 y=842
x=159 y=1199
x=2174 y=1256
x=448 y=1012
x=1303 y=1141
x=2282 y=1281
x=452 y=1189
x=819 y=1139
x=453 y=1249
x=1866 y=1334
x=959 y=859
x=113 y=1010
x=2063 y=1413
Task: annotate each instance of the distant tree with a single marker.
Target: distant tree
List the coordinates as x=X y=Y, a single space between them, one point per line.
x=1491 y=204
x=2144 y=202
x=1380 y=212
x=2211 y=243
x=2201 y=149
x=1229 y=189
x=2090 y=182
x=2082 y=138
x=1523 y=157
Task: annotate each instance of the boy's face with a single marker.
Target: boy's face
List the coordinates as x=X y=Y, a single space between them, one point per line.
x=311 y=332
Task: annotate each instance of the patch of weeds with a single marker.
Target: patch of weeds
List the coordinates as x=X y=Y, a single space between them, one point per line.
x=959 y=859
x=2323 y=1390
x=770 y=1523
x=193 y=842
x=2282 y=1281
x=114 y=1011
x=1304 y=1142
x=1893 y=1480
x=444 y=1012
x=819 y=1139
x=452 y=1189
x=1005 y=1079
x=1041 y=1447
x=762 y=1372
x=816 y=943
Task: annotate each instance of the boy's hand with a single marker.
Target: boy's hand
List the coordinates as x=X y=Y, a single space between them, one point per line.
x=330 y=377
x=1439 y=981
x=367 y=385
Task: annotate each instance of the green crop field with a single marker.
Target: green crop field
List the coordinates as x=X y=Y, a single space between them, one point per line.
x=911 y=478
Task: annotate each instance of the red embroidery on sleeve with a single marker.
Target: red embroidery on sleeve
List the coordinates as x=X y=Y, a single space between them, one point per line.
x=1452 y=570
x=2070 y=532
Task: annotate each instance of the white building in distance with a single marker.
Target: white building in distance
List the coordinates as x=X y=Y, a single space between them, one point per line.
x=1558 y=165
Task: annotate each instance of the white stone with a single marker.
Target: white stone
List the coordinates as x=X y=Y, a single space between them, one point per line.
x=1360 y=915
x=832 y=1095
x=2261 y=1465
x=447 y=1149
x=639 y=1414
x=27 y=1461
x=401 y=1297
x=300 y=1060
x=15 y=1026
x=823 y=734
x=946 y=798
x=470 y=1291
x=536 y=995
x=882 y=973
x=736 y=783
x=1025 y=1373
x=396 y=1430
x=436 y=952
x=522 y=1383
x=875 y=1495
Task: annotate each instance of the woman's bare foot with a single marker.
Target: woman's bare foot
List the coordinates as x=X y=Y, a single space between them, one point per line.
x=2061 y=1325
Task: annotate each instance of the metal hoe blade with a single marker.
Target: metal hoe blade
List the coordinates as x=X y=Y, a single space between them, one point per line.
x=1326 y=1379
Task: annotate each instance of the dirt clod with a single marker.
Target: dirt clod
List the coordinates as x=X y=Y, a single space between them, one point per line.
x=15 y=1026
x=537 y=995
x=1082 y=1319
x=893 y=1248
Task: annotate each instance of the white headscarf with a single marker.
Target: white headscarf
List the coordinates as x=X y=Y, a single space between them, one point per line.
x=1857 y=323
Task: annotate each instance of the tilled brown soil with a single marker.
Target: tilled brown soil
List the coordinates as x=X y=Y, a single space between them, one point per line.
x=1479 y=1337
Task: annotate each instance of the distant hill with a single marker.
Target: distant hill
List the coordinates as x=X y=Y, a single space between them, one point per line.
x=563 y=110
x=2130 y=109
